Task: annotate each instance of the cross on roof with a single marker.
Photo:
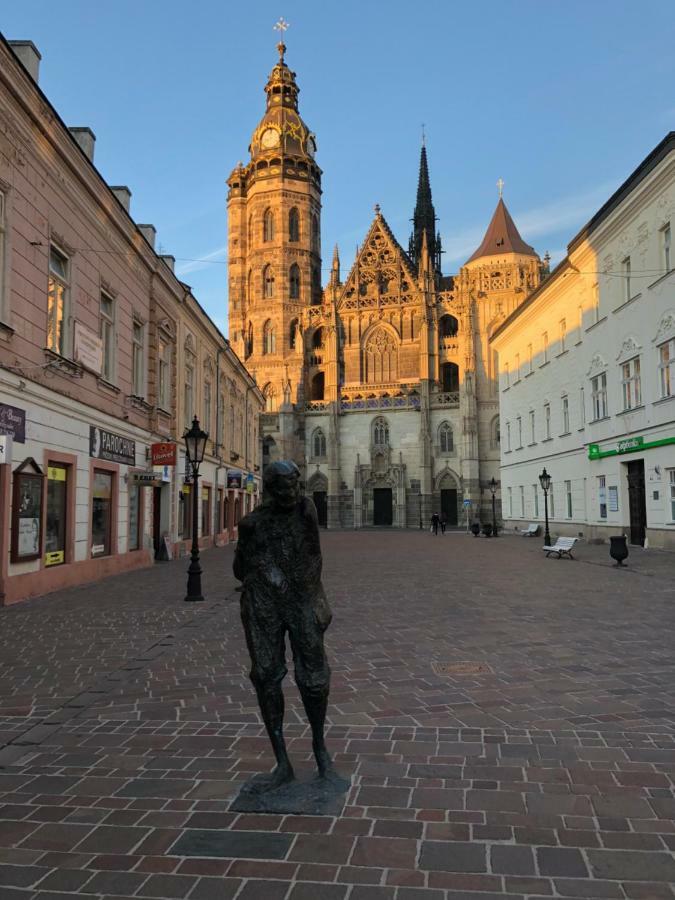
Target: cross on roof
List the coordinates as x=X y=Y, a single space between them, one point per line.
x=281 y=25
x=500 y=185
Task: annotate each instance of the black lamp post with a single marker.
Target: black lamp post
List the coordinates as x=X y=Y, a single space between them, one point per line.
x=545 y=482
x=195 y=447
x=493 y=491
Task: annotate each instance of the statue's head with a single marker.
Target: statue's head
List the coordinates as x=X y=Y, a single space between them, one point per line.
x=281 y=482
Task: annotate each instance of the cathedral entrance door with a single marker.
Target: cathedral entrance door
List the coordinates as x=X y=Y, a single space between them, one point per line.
x=382 y=506
x=449 y=505
x=321 y=503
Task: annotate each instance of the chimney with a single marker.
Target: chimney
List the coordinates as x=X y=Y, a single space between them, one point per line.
x=29 y=56
x=123 y=194
x=86 y=138
x=149 y=232
x=169 y=260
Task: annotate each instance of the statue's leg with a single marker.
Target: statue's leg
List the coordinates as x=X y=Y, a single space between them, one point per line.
x=271 y=701
x=312 y=675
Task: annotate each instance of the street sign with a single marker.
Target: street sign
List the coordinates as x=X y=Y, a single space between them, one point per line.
x=467 y=503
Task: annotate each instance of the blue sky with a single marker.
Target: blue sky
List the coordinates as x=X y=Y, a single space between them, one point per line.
x=561 y=100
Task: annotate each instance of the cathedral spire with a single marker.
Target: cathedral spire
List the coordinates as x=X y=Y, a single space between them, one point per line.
x=424 y=217
x=335 y=268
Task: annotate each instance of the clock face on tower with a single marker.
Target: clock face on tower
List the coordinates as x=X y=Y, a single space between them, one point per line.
x=269 y=138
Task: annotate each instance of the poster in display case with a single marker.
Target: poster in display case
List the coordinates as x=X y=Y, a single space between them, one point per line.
x=27 y=511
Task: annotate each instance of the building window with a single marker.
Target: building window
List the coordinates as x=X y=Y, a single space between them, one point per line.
x=671 y=485
x=186 y=511
x=568 y=495
x=532 y=428
x=626 y=271
x=509 y=493
x=268 y=225
x=602 y=496
x=551 y=500
x=269 y=337
x=630 y=383
x=516 y=368
x=665 y=245
x=138 y=360
x=319 y=443
x=667 y=367
x=445 y=438
x=380 y=432
x=4 y=311
x=495 y=434
x=566 y=414
x=580 y=323
x=599 y=395
x=293 y=334
x=206 y=511
x=547 y=421
x=108 y=336
x=59 y=267
x=508 y=437
x=268 y=282
x=522 y=502
x=595 y=294
x=582 y=407
x=563 y=335
x=535 y=501
x=294 y=279
x=544 y=347
x=507 y=379
x=206 y=424
x=519 y=429
x=530 y=360
x=294 y=225
x=134 y=516
x=57 y=512
x=188 y=396
x=164 y=393
x=220 y=430
x=101 y=513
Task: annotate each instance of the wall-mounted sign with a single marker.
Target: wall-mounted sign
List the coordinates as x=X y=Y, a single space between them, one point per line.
x=13 y=422
x=163 y=454
x=234 y=479
x=27 y=511
x=250 y=484
x=162 y=473
x=87 y=348
x=113 y=447
x=146 y=479
x=5 y=449
x=628 y=445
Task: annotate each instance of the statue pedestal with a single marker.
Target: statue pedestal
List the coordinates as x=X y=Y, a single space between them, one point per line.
x=312 y=796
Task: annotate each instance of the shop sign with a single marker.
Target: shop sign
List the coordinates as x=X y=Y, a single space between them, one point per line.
x=113 y=447
x=628 y=445
x=234 y=478
x=163 y=454
x=145 y=479
x=13 y=422
x=87 y=348
x=54 y=558
x=250 y=484
x=162 y=473
x=5 y=449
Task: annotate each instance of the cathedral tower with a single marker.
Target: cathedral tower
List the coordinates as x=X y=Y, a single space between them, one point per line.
x=424 y=219
x=274 y=239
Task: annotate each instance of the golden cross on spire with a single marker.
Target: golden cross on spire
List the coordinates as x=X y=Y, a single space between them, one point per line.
x=500 y=185
x=281 y=26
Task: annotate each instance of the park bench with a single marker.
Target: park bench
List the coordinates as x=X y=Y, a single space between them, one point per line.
x=532 y=530
x=563 y=547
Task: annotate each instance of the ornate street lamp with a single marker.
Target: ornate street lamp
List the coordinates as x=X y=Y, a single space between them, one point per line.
x=195 y=447
x=545 y=482
x=493 y=490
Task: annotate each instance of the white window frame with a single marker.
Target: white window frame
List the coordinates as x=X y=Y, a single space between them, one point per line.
x=667 y=367
x=535 y=498
x=4 y=287
x=544 y=347
x=516 y=368
x=563 y=335
x=547 y=421
x=626 y=270
x=446 y=439
x=565 y=407
x=519 y=424
x=522 y=502
x=599 y=396
x=631 y=388
x=582 y=407
x=58 y=344
x=108 y=333
x=533 y=433
x=164 y=372
x=568 y=498
x=188 y=394
x=206 y=412
x=530 y=359
x=138 y=358
x=508 y=437
x=509 y=492
x=666 y=247
x=602 y=496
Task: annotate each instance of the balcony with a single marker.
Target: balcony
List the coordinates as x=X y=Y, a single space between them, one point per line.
x=445 y=399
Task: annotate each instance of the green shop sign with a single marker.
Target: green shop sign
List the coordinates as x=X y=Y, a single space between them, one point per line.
x=628 y=445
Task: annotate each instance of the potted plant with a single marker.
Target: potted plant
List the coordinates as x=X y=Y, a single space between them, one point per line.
x=618 y=549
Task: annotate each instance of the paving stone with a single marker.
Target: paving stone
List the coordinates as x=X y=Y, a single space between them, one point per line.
x=215 y=889
x=20 y=876
x=246 y=844
x=263 y=890
x=156 y=787
x=388 y=853
x=561 y=861
x=508 y=860
x=316 y=891
x=628 y=865
x=167 y=886
x=321 y=848
x=453 y=857
x=115 y=883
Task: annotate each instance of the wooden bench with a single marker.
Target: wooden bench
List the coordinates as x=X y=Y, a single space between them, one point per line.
x=563 y=547
x=532 y=530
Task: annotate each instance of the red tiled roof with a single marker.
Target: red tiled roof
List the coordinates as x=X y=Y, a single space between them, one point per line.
x=502 y=236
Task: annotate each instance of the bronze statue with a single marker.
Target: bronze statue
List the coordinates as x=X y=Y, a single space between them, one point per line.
x=278 y=559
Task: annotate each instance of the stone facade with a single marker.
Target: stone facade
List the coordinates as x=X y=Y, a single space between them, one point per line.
x=381 y=386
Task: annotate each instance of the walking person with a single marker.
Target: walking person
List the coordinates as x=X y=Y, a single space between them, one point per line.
x=434 y=523
x=443 y=523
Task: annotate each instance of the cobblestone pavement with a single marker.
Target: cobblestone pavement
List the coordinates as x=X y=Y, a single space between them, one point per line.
x=508 y=723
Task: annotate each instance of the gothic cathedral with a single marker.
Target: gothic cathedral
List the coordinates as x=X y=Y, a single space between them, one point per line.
x=381 y=386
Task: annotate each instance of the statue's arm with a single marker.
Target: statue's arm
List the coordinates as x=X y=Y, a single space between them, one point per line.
x=311 y=522
x=240 y=564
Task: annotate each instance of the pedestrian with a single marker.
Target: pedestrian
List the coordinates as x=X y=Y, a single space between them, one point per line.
x=435 y=519
x=443 y=523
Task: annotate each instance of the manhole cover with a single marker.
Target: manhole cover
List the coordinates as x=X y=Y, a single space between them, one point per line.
x=461 y=668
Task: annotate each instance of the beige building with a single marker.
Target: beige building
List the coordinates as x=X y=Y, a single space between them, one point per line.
x=588 y=374
x=104 y=353
x=381 y=385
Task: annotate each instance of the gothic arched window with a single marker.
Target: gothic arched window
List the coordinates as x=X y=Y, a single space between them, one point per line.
x=270 y=398
x=319 y=442
x=294 y=280
x=315 y=231
x=448 y=326
x=380 y=432
x=294 y=225
x=495 y=434
x=248 y=342
x=317 y=339
x=293 y=334
x=268 y=282
x=318 y=383
x=268 y=225
x=381 y=357
x=445 y=438
x=450 y=376
x=269 y=337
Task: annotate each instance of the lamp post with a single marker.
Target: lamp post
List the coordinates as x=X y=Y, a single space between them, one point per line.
x=195 y=447
x=545 y=482
x=493 y=490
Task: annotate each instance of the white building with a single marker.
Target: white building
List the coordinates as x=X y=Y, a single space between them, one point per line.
x=587 y=374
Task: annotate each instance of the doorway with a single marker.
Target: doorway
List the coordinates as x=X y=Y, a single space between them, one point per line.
x=637 y=506
x=157 y=521
x=321 y=503
x=382 y=506
x=449 y=505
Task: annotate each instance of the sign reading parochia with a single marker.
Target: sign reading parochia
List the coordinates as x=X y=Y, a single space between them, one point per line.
x=111 y=447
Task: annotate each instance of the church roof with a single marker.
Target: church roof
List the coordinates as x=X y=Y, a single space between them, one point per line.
x=502 y=236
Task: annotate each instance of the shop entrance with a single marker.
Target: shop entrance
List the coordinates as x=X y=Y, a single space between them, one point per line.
x=637 y=506
x=321 y=503
x=449 y=505
x=382 y=506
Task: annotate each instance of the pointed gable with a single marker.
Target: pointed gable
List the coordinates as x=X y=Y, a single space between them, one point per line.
x=380 y=259
x=502 y=236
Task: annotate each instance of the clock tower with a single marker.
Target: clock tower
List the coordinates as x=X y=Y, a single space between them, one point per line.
x=274 y=242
